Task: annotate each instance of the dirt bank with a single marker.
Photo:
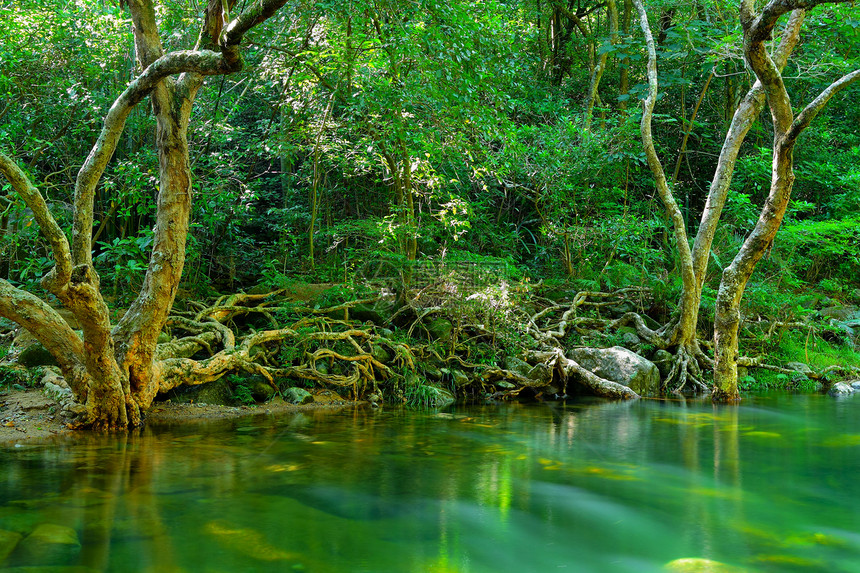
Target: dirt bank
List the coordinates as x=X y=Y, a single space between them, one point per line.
x=29 y=415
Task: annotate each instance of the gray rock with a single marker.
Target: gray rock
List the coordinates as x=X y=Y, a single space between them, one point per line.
x=840 y=389
x=840 y=313
x=854 y=384
x=540 y=373
x=799 y=367
x=55 y=392
x=630 y=339
x=8 y=542
x=517 y=366
x=51 y=544
x=620 y=365
x=297 y=395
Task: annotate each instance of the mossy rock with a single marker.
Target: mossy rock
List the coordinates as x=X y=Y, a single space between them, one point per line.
x=260 y=388
x=380 y=354
x=440 y=328
x=36 y=355
x=50 y=544
x=8 y=542
x=296 y=395
x=379 y=313
x=218 y=393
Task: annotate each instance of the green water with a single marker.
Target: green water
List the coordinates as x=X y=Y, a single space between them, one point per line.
x=772 y=485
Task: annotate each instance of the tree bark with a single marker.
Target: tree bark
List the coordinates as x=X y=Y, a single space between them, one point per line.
x=758 y=29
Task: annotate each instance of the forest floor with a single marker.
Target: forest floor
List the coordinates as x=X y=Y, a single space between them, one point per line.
x=31 y=416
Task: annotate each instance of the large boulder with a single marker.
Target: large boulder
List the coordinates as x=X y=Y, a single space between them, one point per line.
x=619 y=365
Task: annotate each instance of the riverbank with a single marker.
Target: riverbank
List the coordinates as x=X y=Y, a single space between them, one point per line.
x=31 y=416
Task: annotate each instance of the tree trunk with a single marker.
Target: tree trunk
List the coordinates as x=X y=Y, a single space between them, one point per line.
x=757 y=30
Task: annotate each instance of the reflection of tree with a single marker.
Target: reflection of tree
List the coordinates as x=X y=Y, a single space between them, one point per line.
x=124 y=486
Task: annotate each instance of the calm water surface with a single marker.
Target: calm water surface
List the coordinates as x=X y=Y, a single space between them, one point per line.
x=772 y=485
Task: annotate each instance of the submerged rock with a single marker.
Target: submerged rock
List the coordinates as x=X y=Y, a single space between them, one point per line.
x=698 y=565
x=620 y=365
x=51 y=543
x=8 y=542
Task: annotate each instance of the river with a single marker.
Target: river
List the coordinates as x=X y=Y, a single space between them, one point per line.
x=771 y=485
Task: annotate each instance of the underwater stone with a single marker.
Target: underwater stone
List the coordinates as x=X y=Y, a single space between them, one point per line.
x=51 y=543
x=8 y=542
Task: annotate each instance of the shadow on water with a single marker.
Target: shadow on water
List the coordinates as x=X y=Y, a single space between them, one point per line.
x=586 y=485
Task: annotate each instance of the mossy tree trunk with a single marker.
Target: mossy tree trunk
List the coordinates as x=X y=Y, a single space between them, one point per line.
x=758 y=28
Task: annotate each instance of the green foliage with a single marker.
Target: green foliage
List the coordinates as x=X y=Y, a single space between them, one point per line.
x=241 y=389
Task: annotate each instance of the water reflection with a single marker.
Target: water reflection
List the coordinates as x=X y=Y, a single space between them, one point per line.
x=589 y=486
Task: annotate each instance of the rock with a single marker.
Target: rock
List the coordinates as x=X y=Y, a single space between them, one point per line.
x=620 y=365
x=56 y=393
x=298 y=395
x=51 y=544
x=433 y=373
x=51 y=375
x=380 y=354
x=855 y=384
x=663 y=360
x=697 y=565
x=218 y=392
x=8 y=542
x=840 y=313
x=378 y=313
x=36 y=355
x=840 y=389
x=630 y=340
x=517 y=366
x=540 y=373
x=440 y=328
x=459 y=377
x=799 y=367
x=622 y=308
x=260 y=388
